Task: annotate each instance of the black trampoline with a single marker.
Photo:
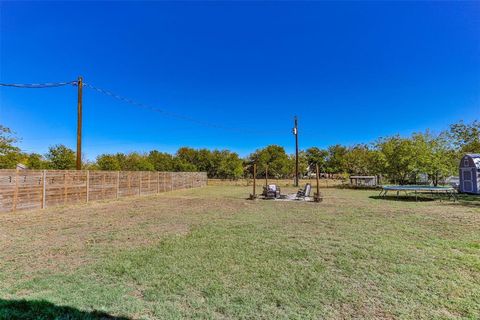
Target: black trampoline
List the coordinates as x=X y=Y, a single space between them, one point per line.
x=416 y=190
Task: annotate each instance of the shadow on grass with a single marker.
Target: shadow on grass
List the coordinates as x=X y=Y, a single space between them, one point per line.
x=403 y=198
x=469 y=200
x=41 y=309
x=462 y=199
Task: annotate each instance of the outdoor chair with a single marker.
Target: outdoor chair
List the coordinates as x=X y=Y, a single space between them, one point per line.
x=271 y=191
x=305 y=192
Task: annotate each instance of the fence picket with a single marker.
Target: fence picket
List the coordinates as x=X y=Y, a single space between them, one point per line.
x=118 y=184
x=87 y=186
x=44 y=188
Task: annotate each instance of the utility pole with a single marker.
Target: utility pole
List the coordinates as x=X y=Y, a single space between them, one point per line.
x=254 y=179
x=79 y=123
x=295 y=133
x=317 y=197
x=254 y=195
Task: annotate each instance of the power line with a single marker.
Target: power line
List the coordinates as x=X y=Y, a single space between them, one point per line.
x=144 y=106
x=179 y=116
x=37 y=85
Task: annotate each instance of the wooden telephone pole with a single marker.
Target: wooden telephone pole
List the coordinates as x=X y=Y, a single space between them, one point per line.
x=295 y=133
x=254 y=195
x=79 y=123
x=254 y=179
x=317 y=197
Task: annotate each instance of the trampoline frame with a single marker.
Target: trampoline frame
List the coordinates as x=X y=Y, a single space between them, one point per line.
x=448 y=191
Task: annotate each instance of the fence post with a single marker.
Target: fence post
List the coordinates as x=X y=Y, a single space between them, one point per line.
x=171 y=181
x=103 y=185
x=149 y=175
x=164 y=181
x=44 y=188
x=64 y=188
x=160 y=174
x=129 y=184
x=87 y=185
x=15 y=192
x=158 y=182
x=140 y=184
x=118 y=184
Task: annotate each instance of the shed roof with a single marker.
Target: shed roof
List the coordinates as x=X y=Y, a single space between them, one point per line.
x=476 y=158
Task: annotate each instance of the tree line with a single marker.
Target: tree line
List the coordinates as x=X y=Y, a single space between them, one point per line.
x=398 y=159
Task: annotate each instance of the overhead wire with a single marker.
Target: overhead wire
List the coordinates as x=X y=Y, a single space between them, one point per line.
x=38 y=85
x=145 y=106
x=178 y=115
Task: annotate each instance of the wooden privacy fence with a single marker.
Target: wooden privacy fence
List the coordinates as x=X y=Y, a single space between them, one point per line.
x=34 y=189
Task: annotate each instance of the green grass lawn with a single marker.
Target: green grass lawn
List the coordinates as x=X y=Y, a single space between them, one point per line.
x=209 y=253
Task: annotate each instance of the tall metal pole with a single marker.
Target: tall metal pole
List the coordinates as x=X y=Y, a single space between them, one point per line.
x=79 y=123
x=295 y=132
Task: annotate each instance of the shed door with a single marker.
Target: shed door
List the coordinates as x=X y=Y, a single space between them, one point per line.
x=467 y=180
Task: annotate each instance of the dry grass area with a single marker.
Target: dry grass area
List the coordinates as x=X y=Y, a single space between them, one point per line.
x=210 y=253
x=66 y=237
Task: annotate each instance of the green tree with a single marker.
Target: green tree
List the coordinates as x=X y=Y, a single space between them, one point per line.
x=11 y=159
x=187 y=154
x=273 y=156
x=7 y=141
x=201 y=159
x=161 y=161
x=35 y=161
x=433 y=156
x=187 y=159
x=108 y=162
x=376 y=162
x=228 y=165
x=358 y=160
x=398 y=158
x=316 y=156
x=180 y=165
x=137 y=162
x=10 y=155
x=302 y=164
x=60 y=157
x=122 y=160
x=90 y=165
x=466 y=137
x=336 y=161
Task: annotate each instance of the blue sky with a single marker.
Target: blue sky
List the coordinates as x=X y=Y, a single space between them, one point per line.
x=352 y=72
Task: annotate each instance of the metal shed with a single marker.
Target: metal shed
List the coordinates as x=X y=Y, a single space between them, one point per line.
x=469 y=171
x=363 y=181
